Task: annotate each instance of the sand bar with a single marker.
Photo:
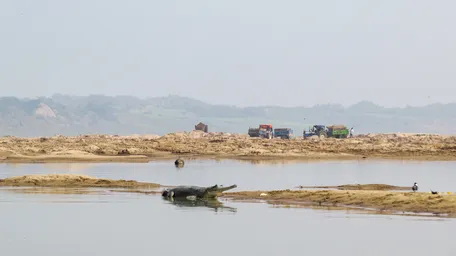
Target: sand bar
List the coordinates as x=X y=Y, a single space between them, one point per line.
x=197 y=144
x=72 y=181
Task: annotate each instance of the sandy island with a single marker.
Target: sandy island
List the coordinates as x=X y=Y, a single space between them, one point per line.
x=136 y=148
x=388 y=201
x=72 y=181
x=362 y=196
x=361 y=187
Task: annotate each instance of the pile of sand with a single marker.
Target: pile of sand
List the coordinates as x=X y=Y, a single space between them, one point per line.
x=200 y=134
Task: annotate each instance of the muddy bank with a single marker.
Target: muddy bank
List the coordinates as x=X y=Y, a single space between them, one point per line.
x=360 y=187
x=72 y=181
x=378 y=200
x=100 y=148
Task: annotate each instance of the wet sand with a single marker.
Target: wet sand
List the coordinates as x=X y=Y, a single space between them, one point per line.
x=415 y=202
x=379 y=187
x=72 y=181
x=197 y=144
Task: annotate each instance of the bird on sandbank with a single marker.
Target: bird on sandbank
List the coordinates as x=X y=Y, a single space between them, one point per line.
x=415 y=187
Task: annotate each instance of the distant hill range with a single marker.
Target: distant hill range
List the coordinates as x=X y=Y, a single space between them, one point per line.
x=123 y=115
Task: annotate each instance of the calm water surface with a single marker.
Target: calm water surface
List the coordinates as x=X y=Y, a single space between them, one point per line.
x=429 y=175
x=109 y=223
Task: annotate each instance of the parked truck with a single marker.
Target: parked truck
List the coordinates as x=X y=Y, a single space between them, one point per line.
x=338 y=131
x=266 y=131
x=283 y=133
x=254 y=132
x=316 y=130
x=323 y=131
x=201 y=127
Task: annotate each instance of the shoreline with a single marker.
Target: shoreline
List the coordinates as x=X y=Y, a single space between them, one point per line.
x=37 y=159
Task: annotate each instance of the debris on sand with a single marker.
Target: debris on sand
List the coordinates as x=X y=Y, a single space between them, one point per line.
x=72 y=180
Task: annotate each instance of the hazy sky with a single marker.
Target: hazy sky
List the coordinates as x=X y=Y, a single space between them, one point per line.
x=235 y=52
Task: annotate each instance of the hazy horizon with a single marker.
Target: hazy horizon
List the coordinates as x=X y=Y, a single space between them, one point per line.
x=66 y=115
x=255 y=53
x=224 y=104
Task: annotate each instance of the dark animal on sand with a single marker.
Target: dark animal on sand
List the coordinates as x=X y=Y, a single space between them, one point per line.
x=197 y=192
x=434 y=192
x=179 y=162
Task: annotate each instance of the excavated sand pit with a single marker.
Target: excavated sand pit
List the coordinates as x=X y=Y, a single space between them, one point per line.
x=72 y=180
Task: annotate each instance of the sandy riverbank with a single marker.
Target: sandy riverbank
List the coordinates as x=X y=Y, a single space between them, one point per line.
x=379 y=187
x=111 y=148
x=415 y=202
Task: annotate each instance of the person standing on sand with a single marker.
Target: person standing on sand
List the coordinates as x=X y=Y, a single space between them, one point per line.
x=351 y=132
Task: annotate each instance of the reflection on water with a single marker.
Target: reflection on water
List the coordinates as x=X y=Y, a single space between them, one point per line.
x=214 y=204
x=267 y=162
x=54 y=166
x=68 y=166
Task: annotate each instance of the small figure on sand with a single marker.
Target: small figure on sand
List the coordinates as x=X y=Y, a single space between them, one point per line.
x=415 y=187
x=351 y=132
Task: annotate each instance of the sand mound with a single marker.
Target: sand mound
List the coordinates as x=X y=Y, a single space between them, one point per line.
x=72 y=180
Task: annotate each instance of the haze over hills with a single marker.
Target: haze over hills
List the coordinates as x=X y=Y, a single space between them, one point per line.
x=123 y=115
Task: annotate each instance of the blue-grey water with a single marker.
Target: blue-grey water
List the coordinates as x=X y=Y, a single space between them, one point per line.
x=110 y=223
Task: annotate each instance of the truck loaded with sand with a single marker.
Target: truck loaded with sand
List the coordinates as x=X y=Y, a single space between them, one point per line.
x=102 y=148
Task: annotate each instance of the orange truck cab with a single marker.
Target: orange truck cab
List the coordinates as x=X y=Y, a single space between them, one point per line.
x=266 y=131
x=266 y=126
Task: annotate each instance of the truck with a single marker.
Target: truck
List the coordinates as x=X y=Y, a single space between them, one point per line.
x=254 y=132
x=283 y=133
x=323 y=131
x=316 y=130
x=201 y=127
x=266 y=131
x=338 y=131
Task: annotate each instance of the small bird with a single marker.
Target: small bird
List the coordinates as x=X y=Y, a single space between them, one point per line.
x=434 y=192
x=415 y=187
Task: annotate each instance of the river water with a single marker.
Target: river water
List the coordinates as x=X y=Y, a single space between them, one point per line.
x=113 y=223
